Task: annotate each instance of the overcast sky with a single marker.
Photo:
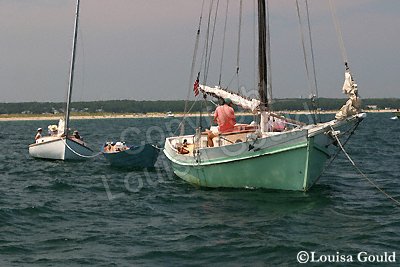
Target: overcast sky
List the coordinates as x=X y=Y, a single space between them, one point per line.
x=142 y=49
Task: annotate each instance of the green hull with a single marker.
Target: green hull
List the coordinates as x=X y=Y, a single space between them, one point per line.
x=294 y=167
x=292 y=160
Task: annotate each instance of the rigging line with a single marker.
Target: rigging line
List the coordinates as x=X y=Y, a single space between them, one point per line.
x=239 y=37
x=194 y=58
x=338 y=150
x=314 y=100
x=363 y=175
x=206 y=44
x=76 y=153
x=338 y=31
x=215 y=104
x=312 y=49
x=304 y=48
x=202 y=58
x=238 y=44
x=212 y=35
x=269 y=60
x=182 y=123
x=255 y=44
x=208 y=58
x=223 y=43
x=231 y=80
x=303 y=43
x=208 y=109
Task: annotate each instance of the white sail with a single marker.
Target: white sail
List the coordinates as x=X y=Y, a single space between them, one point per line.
x=353 y=104
x=251 y=104
x=61 y=126
x=348 y=86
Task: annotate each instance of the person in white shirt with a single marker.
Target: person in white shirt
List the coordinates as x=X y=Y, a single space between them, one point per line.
x=38 y=134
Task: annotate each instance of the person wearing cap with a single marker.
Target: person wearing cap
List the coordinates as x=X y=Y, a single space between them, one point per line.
x=38 y=134
x=224 y=116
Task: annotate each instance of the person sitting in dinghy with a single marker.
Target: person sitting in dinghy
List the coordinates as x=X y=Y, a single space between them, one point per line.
x=224 y=116
x=109 y=147
x=120 y=146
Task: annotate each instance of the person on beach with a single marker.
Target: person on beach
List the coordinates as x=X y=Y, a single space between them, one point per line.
x=38 y=134
x=224 y=116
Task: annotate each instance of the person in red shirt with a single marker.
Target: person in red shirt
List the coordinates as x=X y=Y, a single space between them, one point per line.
x=224 y=116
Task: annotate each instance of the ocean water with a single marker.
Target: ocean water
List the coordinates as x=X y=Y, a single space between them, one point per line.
x=55 y=213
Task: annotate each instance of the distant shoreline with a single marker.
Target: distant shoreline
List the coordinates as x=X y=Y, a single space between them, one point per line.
x=94 y=116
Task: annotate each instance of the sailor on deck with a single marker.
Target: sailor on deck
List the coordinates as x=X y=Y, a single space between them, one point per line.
x=38 y=134
x=225 y=117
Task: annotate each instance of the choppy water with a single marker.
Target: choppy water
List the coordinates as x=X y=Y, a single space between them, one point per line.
x=71 y=214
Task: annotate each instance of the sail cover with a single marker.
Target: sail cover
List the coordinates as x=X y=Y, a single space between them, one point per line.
x=251 y=104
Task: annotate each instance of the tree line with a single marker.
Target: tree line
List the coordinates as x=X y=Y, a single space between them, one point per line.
x=133 y=106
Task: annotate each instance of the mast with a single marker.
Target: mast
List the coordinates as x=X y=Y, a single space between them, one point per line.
x=262 y=58
x=71 y=71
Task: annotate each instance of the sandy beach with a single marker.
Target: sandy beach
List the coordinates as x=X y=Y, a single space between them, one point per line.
x=38 y=117
x=44 y=117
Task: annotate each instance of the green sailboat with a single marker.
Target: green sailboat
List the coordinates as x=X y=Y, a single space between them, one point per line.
x=256 y=156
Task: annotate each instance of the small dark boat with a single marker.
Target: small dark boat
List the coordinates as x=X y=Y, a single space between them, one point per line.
x=120 y=155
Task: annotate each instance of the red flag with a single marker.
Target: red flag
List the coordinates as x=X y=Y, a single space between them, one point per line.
x=196 y=87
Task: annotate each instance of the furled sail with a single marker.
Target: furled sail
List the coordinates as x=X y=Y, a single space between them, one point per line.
x=61 y=126
x=353 y=104
x=246 y=103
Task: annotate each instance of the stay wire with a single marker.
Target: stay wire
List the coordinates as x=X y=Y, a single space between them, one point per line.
x=207 y=44
x=363 y=175
x=194 y=58
x=182 y=123
x=239 y=37
x=269 y=59
x=316 y=103
x=212 y=36
x=338 y=150
x=223 y=42
x=338 y=31
x=78 y=154
x=238 y=44
x=255 y=54
x=301 y=27
x=208 y=58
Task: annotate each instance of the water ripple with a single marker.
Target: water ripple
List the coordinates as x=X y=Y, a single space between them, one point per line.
x=65 y=214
